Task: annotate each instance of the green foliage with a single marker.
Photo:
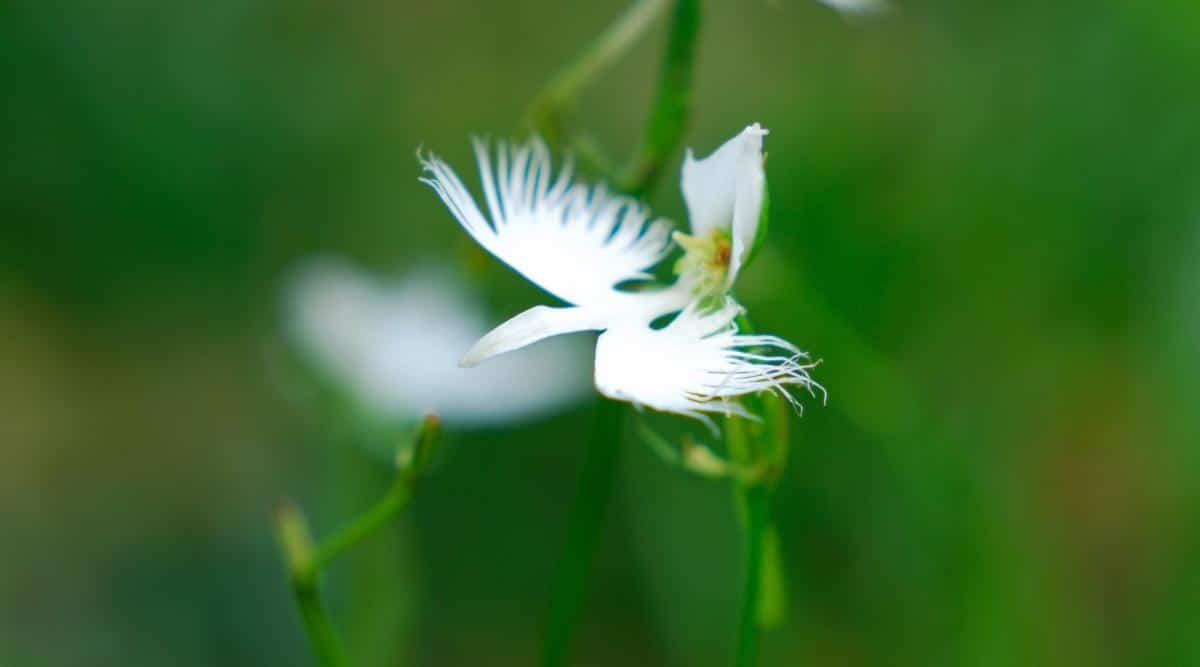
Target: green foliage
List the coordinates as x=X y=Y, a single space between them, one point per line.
x=984 y=223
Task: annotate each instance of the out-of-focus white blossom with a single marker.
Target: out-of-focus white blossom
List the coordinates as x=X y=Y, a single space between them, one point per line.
x=857 y=6
x=395 y=345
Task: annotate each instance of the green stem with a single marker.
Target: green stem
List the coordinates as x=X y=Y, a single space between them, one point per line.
x=546 y=111
x=672 y=103
x=296 y=544
x=395 y=500
x=664 y=131
x=305 y=562
x=585 y=523
x=411 y=463
x=754 y=501
x=321 y=635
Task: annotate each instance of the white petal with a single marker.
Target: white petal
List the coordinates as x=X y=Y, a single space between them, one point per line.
x=573 y=241
x=542 y=322
x=725 y=190
x=531 y=326
x=697 y=364
x=394 y=346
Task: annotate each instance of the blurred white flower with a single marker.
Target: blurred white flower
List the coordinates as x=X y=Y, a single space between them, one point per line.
x=580 y=243
x=857 y=6
x=395 y=346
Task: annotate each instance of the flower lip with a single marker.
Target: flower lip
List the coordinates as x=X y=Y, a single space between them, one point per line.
x=698 y=363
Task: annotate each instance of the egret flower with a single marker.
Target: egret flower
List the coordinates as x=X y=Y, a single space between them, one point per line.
x=394 y=346
x=581 y=243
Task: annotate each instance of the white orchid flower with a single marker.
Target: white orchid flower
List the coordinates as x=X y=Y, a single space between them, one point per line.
x=394 y=346
x=581 y=243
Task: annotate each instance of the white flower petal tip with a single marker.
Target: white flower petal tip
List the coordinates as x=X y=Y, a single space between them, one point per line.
x=529 y=327
x=726 y=190
x=698 y=364
x=574 y=241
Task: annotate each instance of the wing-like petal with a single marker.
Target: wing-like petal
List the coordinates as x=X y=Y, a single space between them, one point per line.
x=573 y=241
x=697 y=364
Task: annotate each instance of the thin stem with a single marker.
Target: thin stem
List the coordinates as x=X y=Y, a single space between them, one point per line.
x=296 y=544
x=326 y=644
x=754 y=500
x=305 y=562
x=546 y=111
x=664 y=131
x=585 y=523
x=395 y=500
x=672 y=103
x=411 y=463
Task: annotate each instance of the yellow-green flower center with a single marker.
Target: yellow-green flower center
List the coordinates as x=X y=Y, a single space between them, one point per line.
x=705 y=260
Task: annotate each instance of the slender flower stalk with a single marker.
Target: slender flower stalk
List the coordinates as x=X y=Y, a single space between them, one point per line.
x=672 y=105
x=411 y=463
x=306 y=561
x=664 y=133
x=755 y=503
x=296 y=544
x=547 y=108
x=585 y=524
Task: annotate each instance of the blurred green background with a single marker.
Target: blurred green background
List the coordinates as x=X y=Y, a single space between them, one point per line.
x=986 y=222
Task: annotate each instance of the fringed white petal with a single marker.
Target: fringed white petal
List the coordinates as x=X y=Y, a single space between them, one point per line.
x=698 y=364
x=573 y=241
x=725 y=191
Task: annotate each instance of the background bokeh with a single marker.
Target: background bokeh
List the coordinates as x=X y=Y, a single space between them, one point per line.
x=986 y=222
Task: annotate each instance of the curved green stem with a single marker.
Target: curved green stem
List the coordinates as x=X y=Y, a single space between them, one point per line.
x=395 y=500
x=672 y=102
x=306 y=561
x=585 y=524
x=545 y=114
